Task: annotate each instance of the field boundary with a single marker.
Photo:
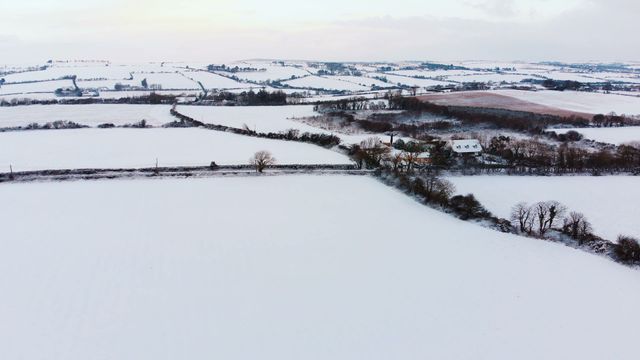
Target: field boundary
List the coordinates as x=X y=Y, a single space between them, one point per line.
x=179 y=171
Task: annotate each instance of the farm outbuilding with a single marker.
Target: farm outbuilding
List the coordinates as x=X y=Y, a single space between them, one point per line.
x=466 y=147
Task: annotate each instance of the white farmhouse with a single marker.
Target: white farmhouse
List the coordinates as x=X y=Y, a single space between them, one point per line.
x=466 y=147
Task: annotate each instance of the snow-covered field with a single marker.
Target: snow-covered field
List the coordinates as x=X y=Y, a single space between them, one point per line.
x=258 y=118
x=616 y=136
x=435 y=73
x=82 y=72
x=38 y=87
x=410 y=81
x=359 y=78
x=173 y=80
x=118 y=148
x=139 y=93
x=264 y=119
x=609 y=202
x=317 y=82
x=297 y=267
x=595 y=103
x=363 y=81
x=490 y=78
x=272 y=72
x=90 y=115
x=214 y=81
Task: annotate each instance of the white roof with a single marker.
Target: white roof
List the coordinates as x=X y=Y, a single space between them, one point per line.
x=466 y=146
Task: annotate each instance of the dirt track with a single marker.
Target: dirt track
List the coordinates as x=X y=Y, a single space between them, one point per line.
x=494 y=101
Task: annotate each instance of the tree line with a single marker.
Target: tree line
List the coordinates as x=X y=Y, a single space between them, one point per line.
x=525 y=154
x=249 y=98
x=552 y=220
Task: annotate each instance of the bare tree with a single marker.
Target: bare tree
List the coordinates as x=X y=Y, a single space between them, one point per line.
x=374 y=151
x=556 y=210
x=411 y=153
x=395 y=159
x=521 y=214
x=577 y=226
x=438 y=190
x=546 y=212
x=541 y=211
x=261 y=160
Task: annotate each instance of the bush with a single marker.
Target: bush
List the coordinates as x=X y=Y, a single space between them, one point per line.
x=627 y=249
x=468 y=207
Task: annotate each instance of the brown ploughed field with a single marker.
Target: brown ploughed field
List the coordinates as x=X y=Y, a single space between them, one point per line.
x=494 y=101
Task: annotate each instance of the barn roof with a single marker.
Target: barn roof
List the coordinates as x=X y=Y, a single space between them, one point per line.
x=466 y=146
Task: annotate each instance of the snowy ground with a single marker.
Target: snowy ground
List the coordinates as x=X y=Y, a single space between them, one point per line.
x=214 y=81
x=409 y=81
x=90 y=115
x=272 y=72
x=116 y=148
x=258 y=118
x=304 y=75
x=170 y=269
x=490 y=78
x=328 y=83
x=265 y=119
x=617 y=136
x=594 y=103
x=609 y=202
x=172 y=80
x=39 y=87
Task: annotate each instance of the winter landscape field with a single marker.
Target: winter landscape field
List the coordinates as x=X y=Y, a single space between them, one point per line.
x=88 y=115
x=248 y=180
x=166 y=274
x=315 y=210
x=131 y=148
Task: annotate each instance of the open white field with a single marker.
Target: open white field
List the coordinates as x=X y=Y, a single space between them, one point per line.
x=87 y=71
x=214 y=81
x=616 y=135
x=82 y=72
x=265 y=119
x=410 y=81
x=318 y=82
x=37 y=87
x=570 y=76
x=297 y=267
x=119 y=148
x=594 y=103
x=363 y=81
x=609 y=202
x=272 y=72
x=90 y=115
x=107 y=84
x=436 y=73
x=258 y=118
x=171 y=80
x=490 y=78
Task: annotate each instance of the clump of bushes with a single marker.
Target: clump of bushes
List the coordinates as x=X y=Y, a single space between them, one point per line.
x=627 y=249
x=468 y=207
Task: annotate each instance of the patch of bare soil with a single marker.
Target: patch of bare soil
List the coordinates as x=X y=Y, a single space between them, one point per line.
x=494 y=101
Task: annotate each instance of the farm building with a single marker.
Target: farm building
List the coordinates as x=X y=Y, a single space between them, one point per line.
x=466 y=147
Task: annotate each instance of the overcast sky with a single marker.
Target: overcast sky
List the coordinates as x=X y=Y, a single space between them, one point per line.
x=213 y=30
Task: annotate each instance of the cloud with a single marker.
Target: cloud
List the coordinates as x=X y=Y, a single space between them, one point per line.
x=595 y=30
x=502 y=8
